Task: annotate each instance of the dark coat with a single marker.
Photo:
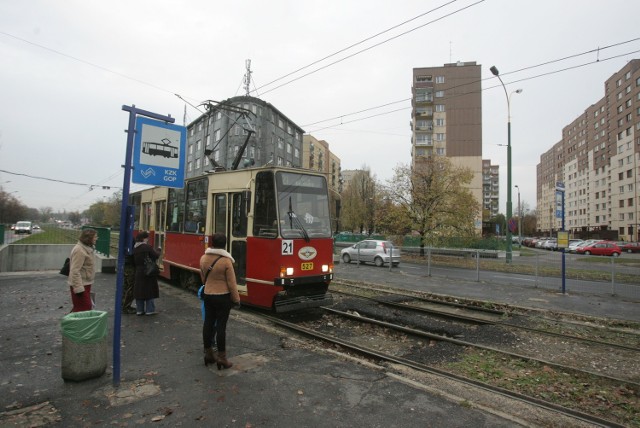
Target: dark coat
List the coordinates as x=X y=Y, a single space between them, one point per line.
x=146 y=287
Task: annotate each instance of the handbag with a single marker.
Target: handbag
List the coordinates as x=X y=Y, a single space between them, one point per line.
x=65 y=267
x=151 y=267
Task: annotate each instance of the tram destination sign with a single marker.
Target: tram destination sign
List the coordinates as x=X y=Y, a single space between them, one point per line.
x=158 y=153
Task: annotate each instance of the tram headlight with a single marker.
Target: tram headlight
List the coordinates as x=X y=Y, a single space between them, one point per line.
x=285 y=271
x=327 y=268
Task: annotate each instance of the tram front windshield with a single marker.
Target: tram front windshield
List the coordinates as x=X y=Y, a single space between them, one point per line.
x=303 y=206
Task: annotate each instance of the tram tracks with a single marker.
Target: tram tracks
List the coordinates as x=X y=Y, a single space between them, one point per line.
x=407 y=365
x=494 y=347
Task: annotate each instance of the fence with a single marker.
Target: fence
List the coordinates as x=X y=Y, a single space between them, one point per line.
x=541 y=269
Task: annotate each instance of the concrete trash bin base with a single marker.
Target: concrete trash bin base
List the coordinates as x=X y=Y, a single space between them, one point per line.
x=81 y=361
x=84 y=345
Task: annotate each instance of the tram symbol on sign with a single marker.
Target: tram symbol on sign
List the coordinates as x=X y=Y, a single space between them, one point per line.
x=164 y=149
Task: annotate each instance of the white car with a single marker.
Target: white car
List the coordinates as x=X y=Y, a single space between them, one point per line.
x=573 y=244
x=23 y=227
x=371 y=251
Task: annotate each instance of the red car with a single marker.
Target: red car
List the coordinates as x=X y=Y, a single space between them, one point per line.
x=631 y=247
x=602 y=248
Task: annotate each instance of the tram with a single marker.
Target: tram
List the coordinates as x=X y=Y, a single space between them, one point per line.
x=277 y=222
x=164 y=149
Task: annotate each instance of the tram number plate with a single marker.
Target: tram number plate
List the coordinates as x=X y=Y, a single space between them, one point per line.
x=307 y=266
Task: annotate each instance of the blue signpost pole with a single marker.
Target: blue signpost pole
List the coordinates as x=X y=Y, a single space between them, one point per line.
x=564 y=251
x=122 y=243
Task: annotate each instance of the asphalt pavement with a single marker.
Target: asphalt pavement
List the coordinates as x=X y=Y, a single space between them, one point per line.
x=274 y=382
x=165 y=383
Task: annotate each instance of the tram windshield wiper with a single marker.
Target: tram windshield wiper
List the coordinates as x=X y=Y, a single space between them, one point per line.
x=293 y=219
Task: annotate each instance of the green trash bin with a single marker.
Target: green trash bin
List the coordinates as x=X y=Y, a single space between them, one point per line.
x=84 y=345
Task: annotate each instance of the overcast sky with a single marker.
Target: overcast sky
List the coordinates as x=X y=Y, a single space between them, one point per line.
x=68 y=67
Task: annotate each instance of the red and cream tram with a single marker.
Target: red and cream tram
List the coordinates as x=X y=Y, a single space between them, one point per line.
x=277 y=222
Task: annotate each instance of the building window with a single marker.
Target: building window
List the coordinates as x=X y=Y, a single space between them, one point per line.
x=199 y=126
x=440 y=107
x=189 y=166
x=439 y=79
x=439 y=94
x=424 y=78
x=198 y=146
x=296 y=152
x=197 y=165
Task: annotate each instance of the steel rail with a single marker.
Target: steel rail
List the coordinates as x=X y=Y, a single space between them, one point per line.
x=370 y=353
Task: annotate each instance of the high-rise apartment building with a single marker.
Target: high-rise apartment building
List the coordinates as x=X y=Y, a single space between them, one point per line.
x=598 y=160
x=447 y=119
x=318 y=157
x=490 y=190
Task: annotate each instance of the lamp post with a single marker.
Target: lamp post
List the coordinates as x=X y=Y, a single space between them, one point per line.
x=495 y=72
x=519 y=218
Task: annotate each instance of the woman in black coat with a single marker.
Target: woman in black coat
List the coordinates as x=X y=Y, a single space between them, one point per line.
x=145 y=289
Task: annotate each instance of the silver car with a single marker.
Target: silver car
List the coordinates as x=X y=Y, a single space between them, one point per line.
x=371 y=251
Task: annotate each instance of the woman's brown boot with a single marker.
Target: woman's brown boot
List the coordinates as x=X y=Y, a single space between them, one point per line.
x=221 y=361
x=209 y=356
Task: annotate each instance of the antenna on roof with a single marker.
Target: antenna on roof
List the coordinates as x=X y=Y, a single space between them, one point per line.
x=247 y=78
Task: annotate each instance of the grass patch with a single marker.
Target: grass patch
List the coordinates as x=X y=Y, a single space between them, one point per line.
x=602 y=397
x=51 y=235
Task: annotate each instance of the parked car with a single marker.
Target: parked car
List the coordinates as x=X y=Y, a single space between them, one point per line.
x=36 y=227
x=601 y=248
x=371 y=251
x=540 y=243
x=631 y=247
x=23 y=227
x=551 y=244
x=13 y=227
x=573 y=244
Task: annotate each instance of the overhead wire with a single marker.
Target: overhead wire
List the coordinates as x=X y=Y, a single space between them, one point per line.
x=598 y=60
x=354 y=45
x=373 y=46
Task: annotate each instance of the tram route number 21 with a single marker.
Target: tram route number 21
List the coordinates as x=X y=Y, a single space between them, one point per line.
x=287 y=247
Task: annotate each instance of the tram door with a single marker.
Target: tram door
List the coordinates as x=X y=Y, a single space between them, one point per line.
x=230 y=218
x=160 y=225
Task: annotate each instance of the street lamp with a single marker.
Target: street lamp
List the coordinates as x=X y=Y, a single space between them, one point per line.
x=519 y=218
x=494 y=70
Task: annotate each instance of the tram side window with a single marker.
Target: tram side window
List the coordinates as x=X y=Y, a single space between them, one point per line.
x=175 y=210
x=196 y=207
x=146 y=216
x=135 y=201
x=265 y=219
x=239 y=219
x=239 y=254
x=220 y=219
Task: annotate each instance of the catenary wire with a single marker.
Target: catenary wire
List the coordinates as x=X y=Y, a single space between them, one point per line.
x=373 y=46
x=353 y=45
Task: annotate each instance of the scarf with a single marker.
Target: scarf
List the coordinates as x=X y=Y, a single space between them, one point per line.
x=220 y=252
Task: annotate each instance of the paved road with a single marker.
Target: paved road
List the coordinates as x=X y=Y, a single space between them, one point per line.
x=592 y=299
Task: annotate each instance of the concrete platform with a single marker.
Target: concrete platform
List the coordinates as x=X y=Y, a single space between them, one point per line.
x=274 y=382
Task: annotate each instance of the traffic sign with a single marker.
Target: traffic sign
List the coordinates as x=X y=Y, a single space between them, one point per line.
x=158 y=153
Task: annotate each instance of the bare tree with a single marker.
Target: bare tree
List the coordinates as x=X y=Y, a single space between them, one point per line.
x=433 y=199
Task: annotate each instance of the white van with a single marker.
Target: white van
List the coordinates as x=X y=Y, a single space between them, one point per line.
x=23 y=227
